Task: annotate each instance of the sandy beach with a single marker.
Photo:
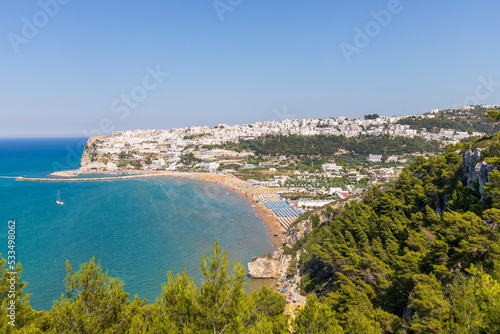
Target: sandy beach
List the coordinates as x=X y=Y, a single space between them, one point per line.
x=234 y=184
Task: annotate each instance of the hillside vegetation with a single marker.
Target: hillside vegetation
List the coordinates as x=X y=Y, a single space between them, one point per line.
x=330 y=145
x=421 y=256
x=460 y=120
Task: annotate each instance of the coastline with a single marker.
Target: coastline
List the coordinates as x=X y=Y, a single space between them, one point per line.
x=230 y=182
x=269 y=219
x=253 y=194
x=241 y=188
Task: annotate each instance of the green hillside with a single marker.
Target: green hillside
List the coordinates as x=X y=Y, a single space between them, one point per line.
x=422 y=256
x=460 y=120
x=330 y=145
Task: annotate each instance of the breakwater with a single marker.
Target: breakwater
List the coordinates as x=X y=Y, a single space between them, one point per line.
x=81 y=179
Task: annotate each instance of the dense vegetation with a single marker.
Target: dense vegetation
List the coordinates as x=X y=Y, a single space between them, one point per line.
x=422 y=256
x=470 y=121
x=324 y=146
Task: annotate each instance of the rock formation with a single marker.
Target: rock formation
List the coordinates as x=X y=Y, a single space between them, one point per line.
x=475 y=168
x=270 y=266
x=90 y=156
x=298 y=231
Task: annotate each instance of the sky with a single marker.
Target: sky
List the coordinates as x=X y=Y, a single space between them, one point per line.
x=71 y=68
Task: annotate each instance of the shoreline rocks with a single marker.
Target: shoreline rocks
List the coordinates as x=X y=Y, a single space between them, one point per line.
x=270 y=266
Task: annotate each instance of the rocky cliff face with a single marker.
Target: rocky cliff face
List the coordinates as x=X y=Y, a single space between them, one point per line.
x=270 y=266
x=90 y=154
x=476 y=168
x=298 y=232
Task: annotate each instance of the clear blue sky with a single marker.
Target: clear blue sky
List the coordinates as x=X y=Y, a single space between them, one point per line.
x=71 y=74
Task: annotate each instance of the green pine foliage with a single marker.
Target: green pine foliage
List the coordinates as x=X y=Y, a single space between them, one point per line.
x=416 y=256
x=461 y=120
x=325 y=146
x=12 y=293
x=316 y=319
x=93 y=302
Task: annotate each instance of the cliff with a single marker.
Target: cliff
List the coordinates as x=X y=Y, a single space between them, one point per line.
x=299 y=230
x=475 y=168
x=90 y=156
x=270 y=266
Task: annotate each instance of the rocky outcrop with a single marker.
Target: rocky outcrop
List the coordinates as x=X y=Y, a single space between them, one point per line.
x=90 y=156
x=270 y=266
x=298 y=231
x=476 y=168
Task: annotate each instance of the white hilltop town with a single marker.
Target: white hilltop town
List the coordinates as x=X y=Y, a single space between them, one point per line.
x=198 y=152
x=162 y=149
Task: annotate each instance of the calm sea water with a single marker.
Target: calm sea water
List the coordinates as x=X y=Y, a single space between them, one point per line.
x=139 y=228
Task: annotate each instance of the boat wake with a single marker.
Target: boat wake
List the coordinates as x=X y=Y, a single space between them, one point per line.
x=8 y=177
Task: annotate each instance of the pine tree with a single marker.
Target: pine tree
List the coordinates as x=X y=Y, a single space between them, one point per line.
x=93 y=302
x=269 y=308
x=178 y=302
x=316 y=319
x=430 y=310
x=15 y=308
x=222 y=302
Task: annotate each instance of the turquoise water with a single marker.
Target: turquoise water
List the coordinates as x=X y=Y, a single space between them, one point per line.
x=138 y=228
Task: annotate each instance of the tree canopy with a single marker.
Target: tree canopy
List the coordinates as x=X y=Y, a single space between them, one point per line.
x=413 y=257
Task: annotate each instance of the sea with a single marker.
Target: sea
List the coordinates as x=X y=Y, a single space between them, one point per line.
x=139 y=229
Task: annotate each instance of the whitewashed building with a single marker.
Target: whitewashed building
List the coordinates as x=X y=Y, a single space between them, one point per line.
x=329 y=167
x=210 y=165
x=374 y=158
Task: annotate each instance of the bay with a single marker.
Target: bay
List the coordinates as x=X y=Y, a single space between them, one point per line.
x=138 y=228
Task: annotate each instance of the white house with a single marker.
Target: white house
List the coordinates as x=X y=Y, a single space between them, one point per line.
x=392 y=158
x=331 y=167
x=159 y=162
x=313 y=203
x=335 y=190
x=374 y=158
x=210 y=165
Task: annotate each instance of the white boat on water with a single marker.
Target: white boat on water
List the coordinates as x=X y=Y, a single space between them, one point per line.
x=58 y=200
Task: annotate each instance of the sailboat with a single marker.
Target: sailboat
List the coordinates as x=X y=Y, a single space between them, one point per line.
x=58 y=200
